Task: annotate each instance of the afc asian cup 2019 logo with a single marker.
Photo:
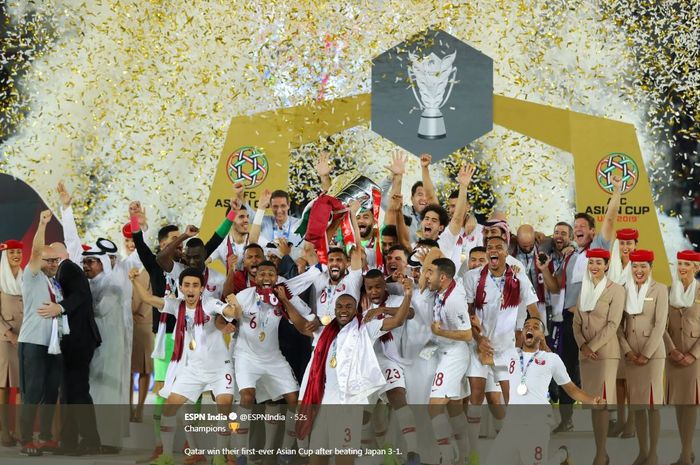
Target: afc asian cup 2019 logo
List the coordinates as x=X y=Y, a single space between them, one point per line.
x=617 y=164
x=247 y=165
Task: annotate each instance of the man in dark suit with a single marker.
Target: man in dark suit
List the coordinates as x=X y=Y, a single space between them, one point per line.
x=77 y=348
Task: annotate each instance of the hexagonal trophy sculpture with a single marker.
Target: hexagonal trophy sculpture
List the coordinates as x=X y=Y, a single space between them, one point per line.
x=432 y=93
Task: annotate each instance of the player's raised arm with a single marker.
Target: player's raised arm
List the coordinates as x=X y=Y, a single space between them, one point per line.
x=142 y=294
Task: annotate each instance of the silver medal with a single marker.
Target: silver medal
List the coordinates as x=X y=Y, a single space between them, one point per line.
x=522 y=389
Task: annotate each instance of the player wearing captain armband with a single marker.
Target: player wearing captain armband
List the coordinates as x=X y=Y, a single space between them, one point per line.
x=523 y=439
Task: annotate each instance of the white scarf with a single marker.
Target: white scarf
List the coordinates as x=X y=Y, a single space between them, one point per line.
x=635 y=299
x=359 y=374
x=579 y=267
x=416 y=333
x=9 y=284
x=680 y=297
x=57 y=330
x=358 y=371
x=590 y=293
x=616 y=273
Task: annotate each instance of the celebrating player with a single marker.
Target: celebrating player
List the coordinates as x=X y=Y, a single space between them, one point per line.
x=200 y=359
x=524 y=439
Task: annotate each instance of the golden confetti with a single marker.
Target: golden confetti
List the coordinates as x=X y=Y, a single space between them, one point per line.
x=131 y=99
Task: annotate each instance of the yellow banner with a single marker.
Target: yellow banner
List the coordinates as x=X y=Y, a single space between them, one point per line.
x=266 y=139
x=600 y=148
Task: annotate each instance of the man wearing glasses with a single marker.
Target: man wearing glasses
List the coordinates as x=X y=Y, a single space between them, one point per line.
x=40 y=371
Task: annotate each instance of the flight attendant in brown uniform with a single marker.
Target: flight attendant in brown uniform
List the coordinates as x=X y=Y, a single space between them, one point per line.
x=141 y=360
x=682 y=336
x=641 y=338
x=11 y=313
x=596 y=322
x=620 y=271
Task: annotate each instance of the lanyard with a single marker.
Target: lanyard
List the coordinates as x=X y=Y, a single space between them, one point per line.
x=440 y=303
x=275 y=228
x=230 y=243
x=523 y=370
x=558 y=262
x=170 y=285
x=330 y=293
x=500 y=284
x=261 y=313
x=54 y=289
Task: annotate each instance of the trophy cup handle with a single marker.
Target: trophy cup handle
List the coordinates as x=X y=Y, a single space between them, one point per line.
x=449 y=91
x=413 y=88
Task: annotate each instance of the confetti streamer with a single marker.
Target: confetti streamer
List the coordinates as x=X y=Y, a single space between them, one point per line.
x=132 y=99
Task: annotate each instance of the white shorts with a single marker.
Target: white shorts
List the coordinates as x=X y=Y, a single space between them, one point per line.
x=512 y=446
x=337 y=426
x=191 y=382
x=393 y=373
x=274 y=376
x=449 y=380
x=419 y=377
x=498 y=371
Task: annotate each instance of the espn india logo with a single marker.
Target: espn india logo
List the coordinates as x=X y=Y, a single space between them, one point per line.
x=247 y=165
x=617 y=164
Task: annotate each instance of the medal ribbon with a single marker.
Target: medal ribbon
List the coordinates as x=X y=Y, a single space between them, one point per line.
x=329 y=297
x=499 y=284
x=440 y=303
x=523 y=370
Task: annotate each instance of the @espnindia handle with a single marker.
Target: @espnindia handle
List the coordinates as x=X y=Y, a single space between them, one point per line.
x=243 y=417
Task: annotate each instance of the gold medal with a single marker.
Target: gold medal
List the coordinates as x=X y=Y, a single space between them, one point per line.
x=262 y=336
x=333 y=363
x=193 y=344
x=325 y=319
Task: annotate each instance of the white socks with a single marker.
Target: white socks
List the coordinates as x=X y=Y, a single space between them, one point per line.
x=407 y=423
x=367 y=438
x=271 y=427
x=239 y=439
x=473 y=427
x=222 y=439
x=290 y=432
x=443 y=435
x=459 y=428
x=167 y=433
